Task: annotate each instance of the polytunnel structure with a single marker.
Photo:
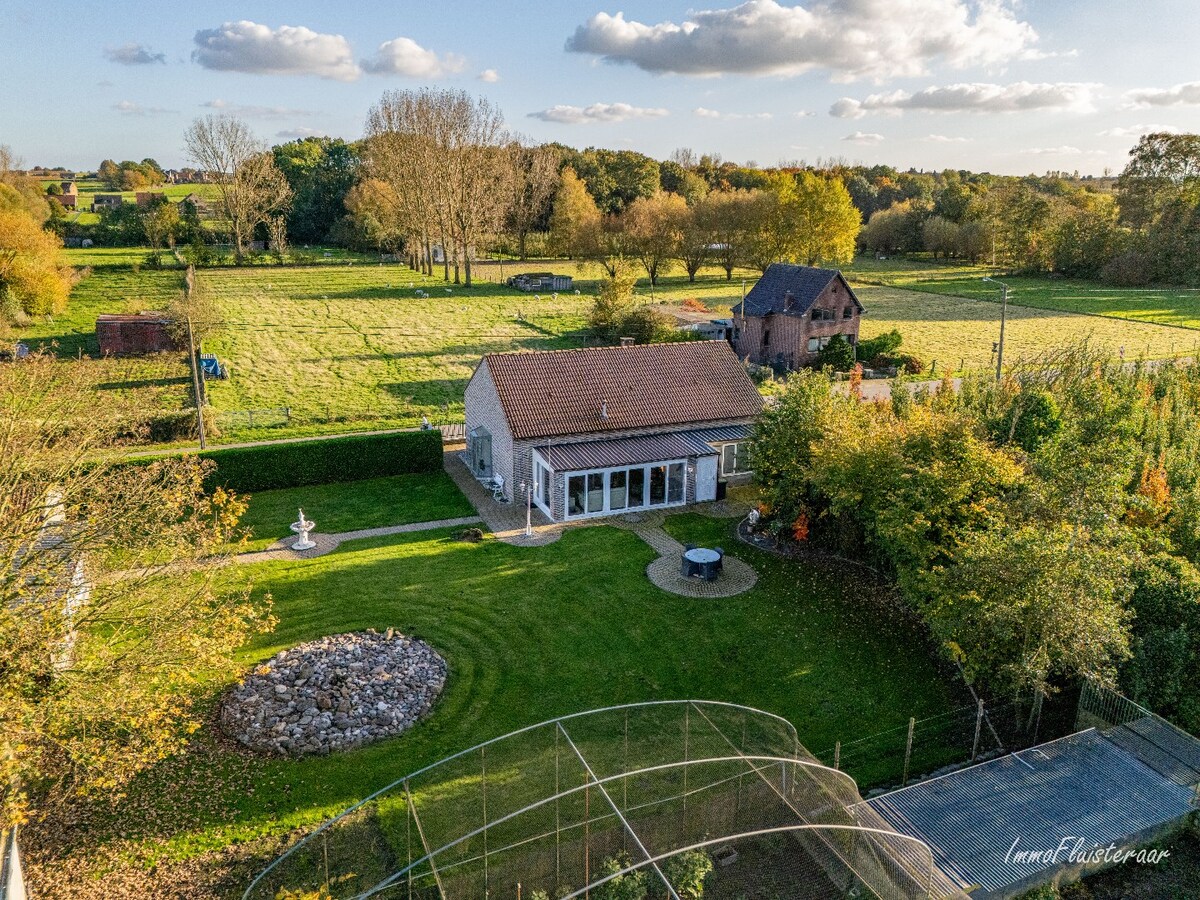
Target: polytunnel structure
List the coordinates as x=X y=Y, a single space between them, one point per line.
x=665 y=799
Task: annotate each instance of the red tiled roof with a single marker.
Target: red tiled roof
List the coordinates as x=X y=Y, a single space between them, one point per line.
x=559 y=392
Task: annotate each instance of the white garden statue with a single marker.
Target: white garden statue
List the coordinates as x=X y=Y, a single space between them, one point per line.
x=302 y=527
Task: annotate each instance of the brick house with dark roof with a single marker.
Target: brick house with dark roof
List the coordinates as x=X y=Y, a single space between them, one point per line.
x=607 y=430
x=791 y=314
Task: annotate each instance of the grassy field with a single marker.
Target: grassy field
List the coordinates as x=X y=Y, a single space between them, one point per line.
x=87 y=188
x=1179 y=307
x=528 y=635
x=348 y=344
x=349 y=506
x=959 y=332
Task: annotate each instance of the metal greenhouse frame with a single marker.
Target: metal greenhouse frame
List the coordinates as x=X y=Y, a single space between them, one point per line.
x=647 y=799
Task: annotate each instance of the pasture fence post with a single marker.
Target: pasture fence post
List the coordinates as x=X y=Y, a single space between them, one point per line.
x=912 y=724
x=978 y=728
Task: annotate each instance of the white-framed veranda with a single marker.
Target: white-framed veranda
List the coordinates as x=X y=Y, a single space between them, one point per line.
x=610 y=490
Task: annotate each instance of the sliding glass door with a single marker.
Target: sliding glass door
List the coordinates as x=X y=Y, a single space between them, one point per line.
x=620 y=489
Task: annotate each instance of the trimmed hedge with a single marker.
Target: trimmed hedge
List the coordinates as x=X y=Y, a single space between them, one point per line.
x=294 y=464
x=298 y=463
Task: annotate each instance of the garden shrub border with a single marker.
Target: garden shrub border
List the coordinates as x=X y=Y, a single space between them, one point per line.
x=289 y=464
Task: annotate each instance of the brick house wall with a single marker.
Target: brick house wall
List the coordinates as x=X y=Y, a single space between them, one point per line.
x=483 y=410
x=787 y=335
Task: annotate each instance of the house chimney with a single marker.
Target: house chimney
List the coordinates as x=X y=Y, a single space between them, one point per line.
x=788 y=300
x=604 y=409
x=626 y=342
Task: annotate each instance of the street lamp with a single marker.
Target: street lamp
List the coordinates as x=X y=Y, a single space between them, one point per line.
x=528 y=489
x=1003 y=317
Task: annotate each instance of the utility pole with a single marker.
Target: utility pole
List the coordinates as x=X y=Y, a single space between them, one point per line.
x=1003 y=317
x=196 y=381
x=189 y=284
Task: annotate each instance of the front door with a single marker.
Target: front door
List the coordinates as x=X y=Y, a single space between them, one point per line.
x=706 y=478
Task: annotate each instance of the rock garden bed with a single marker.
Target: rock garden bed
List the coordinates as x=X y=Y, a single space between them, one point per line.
x=334 y=693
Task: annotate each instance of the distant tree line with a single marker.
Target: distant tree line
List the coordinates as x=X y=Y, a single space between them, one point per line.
x=1140 y=228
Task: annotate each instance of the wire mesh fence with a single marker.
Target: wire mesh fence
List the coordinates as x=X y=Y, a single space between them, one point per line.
x=648 y=800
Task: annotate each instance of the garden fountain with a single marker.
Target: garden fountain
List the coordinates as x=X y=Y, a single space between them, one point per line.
x=302 y=527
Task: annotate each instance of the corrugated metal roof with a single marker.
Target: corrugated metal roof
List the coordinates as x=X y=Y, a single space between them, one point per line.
x=640 y=449
x=1082 y=786
x=624 y=451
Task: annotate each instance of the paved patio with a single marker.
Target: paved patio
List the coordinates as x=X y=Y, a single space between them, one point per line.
x=737 y=577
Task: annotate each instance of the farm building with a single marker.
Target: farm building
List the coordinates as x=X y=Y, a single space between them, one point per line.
x=703 y=325
x=606 y=430
x=106 y=201
x=146 y=199
x=541 y=281
x=69 y=197
x=792 y=313
x=132 y=335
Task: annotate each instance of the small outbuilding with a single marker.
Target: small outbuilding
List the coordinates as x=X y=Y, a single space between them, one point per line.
x=135 y=334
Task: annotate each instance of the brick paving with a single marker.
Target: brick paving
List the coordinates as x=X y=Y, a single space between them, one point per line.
x=506 y=521
x=736 y=578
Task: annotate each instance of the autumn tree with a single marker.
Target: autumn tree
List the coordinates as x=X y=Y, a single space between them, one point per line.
x=574 y=220
x=532 y=185
x=821 y=219
x=728 y=216
x=117 y=608
x=33 y=279
x=654 y=227
x=253 y=189
x=443 y=154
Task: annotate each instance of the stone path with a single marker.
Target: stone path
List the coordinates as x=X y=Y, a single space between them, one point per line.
x=327 y=543
x=504 y=520
x=737 y=577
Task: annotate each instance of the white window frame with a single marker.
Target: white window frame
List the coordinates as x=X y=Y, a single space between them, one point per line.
x=740 y=449
x=606 y=472
x=539 y=466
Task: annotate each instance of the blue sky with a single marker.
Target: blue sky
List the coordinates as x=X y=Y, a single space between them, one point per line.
x=996 y=85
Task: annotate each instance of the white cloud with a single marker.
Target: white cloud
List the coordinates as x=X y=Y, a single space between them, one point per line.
x=704 y=113
x=944 y=139
x=252 y=111
x=404 y=56
x=863 y=137
x=129 y=108
x=294 y=134
x=852 y=39
x=288 y=50
x=597 y=112
x=488 y=76
x=986 y=98
x=1064 y=150
x=134 y=55
x=1180 y=95
x=1138 y=130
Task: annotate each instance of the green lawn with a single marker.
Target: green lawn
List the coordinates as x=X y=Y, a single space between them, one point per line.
x=531 y=633
x=348 y=344
x=959 y=332
x=1178 y=307
x=349 y=506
